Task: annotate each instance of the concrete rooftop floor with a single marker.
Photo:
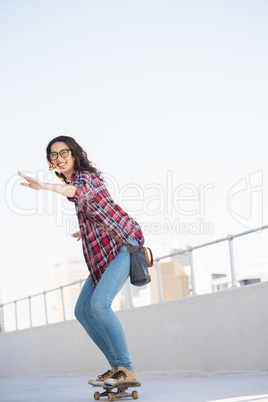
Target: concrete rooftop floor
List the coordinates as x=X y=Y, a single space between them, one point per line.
x=155 y=387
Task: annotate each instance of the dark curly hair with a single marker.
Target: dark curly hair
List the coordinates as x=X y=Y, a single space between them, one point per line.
x=81 y=160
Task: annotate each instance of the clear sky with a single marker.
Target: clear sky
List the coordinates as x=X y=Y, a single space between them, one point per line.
x=169 y=99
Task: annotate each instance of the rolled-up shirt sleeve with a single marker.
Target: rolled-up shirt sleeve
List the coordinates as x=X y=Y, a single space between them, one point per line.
x=85 y=190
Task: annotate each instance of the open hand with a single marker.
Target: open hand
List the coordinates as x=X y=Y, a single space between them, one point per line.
x=32 y=183
x=76 y=235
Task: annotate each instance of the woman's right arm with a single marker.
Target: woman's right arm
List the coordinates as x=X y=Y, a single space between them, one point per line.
x=63 y=189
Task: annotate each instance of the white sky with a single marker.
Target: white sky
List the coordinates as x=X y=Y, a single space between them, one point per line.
x=160 y=94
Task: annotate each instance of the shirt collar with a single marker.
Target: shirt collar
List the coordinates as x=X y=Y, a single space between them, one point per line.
x=74 y=174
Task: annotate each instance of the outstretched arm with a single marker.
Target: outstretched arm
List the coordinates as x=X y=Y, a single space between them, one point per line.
x=63 y=189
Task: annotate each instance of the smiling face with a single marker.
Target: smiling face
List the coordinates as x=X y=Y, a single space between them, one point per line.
x=64 y=164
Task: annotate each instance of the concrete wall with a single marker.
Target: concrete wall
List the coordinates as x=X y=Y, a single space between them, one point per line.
x=224 y=331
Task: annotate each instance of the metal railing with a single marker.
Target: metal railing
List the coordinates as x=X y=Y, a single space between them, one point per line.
x=229 y=238
x=45 y=304
x=190 y=250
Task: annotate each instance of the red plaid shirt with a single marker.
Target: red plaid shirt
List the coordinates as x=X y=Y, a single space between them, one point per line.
x=93 y=199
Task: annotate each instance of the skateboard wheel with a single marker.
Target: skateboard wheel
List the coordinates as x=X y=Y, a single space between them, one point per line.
x=96 y=396
x=111 y=397
x=135 y=395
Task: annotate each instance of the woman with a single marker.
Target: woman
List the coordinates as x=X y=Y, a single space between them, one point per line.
x=107 y=260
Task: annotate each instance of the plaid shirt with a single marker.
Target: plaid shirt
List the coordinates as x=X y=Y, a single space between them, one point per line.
x=92 y=199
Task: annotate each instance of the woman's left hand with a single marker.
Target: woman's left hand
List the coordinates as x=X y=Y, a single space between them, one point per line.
x=76 y=235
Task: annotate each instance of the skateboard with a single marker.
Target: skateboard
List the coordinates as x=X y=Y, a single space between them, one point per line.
x=114 y=391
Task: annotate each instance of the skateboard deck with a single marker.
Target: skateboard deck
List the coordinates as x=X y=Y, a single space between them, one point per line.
x=116 y=391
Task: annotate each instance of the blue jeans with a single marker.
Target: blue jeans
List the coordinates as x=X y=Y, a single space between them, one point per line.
x=93 y=310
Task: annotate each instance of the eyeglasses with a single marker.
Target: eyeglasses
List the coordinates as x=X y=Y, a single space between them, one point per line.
x=64 y=153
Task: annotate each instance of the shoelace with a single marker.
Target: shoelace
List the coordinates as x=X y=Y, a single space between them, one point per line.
x=119 y=374
x=106 y=374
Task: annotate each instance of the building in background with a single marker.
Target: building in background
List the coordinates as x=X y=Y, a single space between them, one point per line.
x=70 y=273
x=175 y=278
x=70 y=270
x=175 y=282
x=65 y=272
x=257 y=272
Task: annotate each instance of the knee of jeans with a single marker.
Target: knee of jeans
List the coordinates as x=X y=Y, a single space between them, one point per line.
x=78 y=312
x=99 y=305
x=83 y=313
